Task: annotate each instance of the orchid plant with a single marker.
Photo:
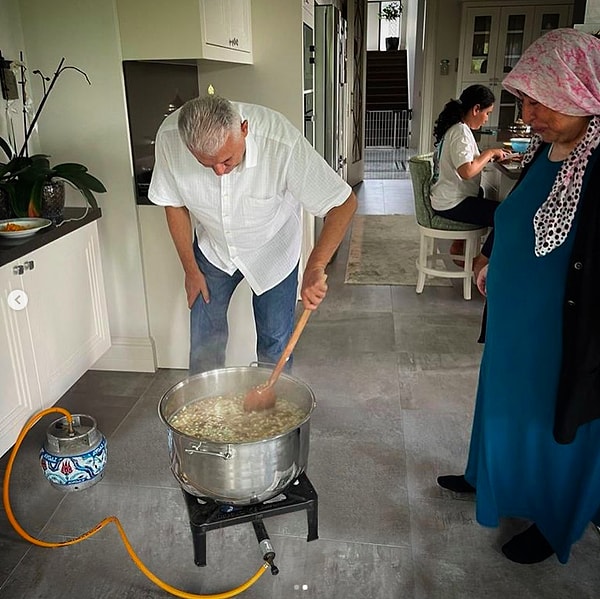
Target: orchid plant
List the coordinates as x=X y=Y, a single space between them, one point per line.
x=23 y=177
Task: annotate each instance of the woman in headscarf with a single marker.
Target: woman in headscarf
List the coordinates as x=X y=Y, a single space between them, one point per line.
x=535 y=444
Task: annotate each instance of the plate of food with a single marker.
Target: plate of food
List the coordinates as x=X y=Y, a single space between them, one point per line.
x=22 y=227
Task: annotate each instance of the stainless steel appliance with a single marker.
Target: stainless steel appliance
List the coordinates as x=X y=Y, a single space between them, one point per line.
x=308 y=83
x=331 y=97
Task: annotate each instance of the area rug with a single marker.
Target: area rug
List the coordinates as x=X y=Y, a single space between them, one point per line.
x=383 y=251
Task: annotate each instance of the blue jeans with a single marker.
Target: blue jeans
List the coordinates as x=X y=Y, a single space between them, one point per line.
x=273 y=315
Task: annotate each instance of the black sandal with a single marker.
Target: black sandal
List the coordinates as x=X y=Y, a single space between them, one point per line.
x=456 y=483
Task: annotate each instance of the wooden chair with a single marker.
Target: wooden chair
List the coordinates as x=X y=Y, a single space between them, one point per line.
x=432 y=227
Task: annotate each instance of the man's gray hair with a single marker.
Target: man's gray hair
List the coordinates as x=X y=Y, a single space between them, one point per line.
x=206 y=122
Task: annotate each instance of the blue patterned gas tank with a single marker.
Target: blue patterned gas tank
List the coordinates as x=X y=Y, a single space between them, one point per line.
x=75 y=459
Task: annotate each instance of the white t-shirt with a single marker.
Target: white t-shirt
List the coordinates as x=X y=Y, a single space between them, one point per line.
x=458 y=146
x=250 y=218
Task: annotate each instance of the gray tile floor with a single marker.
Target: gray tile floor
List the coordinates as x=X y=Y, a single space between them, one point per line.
x=394 y=374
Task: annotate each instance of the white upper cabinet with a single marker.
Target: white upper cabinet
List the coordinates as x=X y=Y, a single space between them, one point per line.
x=186 y=29
x=308 y=12
x=227 y=25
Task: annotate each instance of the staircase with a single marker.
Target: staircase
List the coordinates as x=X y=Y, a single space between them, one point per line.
x=387 y=127
x=387 y=80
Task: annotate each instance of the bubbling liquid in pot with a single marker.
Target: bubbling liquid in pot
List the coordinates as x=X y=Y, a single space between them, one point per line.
x=222 y=419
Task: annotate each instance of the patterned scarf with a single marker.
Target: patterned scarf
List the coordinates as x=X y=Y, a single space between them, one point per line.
x=561 y=70
x=553 y=219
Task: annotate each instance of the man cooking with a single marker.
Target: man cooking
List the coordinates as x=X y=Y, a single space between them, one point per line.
x=237 y=176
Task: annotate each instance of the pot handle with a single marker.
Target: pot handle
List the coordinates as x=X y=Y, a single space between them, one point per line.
x=226 y=455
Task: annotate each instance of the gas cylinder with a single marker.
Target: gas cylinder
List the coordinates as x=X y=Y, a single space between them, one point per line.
x=73 y=457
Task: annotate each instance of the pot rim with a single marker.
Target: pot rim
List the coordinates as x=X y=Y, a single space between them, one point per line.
x=205 y=374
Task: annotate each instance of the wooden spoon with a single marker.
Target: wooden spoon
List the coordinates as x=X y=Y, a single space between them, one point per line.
x=262 y=397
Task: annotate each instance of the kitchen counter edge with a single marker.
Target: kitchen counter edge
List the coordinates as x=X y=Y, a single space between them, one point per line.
x=511 y=173
x=74 y=218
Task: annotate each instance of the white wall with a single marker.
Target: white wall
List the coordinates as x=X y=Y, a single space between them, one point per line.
x=88 y=124
x=11 y=42
x=441 y=41
x=447 y=47
x=592 y=11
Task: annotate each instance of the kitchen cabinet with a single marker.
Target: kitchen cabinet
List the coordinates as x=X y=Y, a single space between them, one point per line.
x=493 y=38
x=497 y=180
x=60 y=330
x=186 y=29
x=308 y=12
x=227 y=25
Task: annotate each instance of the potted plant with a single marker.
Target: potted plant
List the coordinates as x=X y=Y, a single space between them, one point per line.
x=30 y=186
x=35 y=188
x=391 y=12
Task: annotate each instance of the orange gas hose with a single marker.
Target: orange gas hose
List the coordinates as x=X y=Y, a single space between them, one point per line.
x=86 y=535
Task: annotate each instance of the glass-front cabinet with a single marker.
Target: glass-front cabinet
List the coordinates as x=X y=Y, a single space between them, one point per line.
x=493 y=40
x=481 y=38
x=550 y=17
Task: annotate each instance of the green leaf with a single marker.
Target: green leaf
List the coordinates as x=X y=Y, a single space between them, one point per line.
x=22 y=196
x=5 y=146
x=89 y=196
x=84 y=180
x=14 y=167
x=70 y=167
x=9 y=189
x=78 y=174
x=34 y=207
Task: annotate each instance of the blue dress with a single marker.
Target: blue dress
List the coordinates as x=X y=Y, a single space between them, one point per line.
x=518 y=468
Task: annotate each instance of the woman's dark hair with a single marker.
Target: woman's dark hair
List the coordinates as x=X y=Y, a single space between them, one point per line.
x=455 y=110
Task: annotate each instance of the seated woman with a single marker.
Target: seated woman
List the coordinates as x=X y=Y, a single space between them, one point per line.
x=456 y=191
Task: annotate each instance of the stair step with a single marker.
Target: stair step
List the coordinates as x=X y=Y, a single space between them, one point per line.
x=387 y=80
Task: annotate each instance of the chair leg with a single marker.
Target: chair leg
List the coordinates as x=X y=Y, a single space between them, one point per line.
x=468 y=267
x=421 y=262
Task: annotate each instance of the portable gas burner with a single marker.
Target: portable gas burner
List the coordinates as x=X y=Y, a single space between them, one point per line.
x=207 y=514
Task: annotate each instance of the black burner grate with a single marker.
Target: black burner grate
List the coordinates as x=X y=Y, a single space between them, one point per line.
x=206 y=514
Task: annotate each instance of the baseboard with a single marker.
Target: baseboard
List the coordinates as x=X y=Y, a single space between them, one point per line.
x=128 y=354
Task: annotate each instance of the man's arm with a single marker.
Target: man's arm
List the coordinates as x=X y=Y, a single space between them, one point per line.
x=336 y=224
x=180 y=227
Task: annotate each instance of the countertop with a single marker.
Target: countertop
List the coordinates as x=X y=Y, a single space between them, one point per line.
x=510 y=169
x=13 y=249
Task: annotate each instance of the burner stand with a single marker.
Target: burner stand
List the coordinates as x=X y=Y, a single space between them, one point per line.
x=210 y=515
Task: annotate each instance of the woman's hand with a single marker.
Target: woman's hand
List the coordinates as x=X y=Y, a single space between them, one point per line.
x=497 y=154
x=468 y=170
x=481 y=280
x=478 y=263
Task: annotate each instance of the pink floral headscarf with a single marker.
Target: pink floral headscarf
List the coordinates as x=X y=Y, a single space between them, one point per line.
x=561 y=70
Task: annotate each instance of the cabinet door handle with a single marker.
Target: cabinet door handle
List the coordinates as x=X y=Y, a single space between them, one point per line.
x=29 y=265
x=19 y=269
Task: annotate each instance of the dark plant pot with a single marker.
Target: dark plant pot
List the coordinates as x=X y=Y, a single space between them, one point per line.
x=392 y=43
x=5 y=209
x=53 y=201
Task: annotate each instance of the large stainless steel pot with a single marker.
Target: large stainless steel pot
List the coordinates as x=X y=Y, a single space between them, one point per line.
x=237 y=473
